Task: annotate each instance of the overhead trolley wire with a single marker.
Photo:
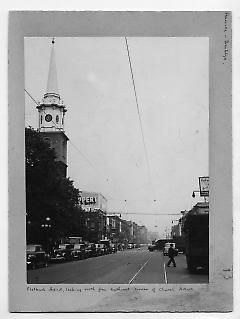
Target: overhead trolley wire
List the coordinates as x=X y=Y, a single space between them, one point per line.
x=77 y=149
x=31 y=97
x=139 y=116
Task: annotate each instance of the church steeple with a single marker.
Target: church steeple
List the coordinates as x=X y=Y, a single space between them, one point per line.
x=52 y=109
x=51 y=117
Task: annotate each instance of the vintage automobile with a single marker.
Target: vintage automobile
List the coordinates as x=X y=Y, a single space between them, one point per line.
x=101 y=249
x=36 y=256
x=56 y=256
x=65 y=251
x=79 y=251
x=167 y=246
x=90 y=250
x=107 y=244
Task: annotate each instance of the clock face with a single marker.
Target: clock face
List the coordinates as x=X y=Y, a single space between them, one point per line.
x=48 y=118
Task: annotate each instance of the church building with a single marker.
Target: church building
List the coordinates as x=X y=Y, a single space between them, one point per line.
x=51 y=117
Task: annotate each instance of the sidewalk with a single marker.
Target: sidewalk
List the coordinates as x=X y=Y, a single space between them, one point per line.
x=180 y=274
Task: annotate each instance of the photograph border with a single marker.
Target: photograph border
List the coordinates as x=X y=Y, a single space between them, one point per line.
x=215 y=296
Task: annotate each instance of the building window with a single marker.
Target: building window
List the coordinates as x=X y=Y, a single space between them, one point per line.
x=62 y=121
x=41 y=119
x=57 y=118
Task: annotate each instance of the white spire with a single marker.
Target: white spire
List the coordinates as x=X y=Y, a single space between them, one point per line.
x=52 y=84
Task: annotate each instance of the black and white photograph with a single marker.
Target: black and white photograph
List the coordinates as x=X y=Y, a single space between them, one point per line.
x=117 y=160
x=120 y=177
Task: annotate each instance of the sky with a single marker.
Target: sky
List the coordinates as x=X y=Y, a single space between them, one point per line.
x=106 y=151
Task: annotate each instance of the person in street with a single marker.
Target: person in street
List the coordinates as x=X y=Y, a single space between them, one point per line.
x=171 y=254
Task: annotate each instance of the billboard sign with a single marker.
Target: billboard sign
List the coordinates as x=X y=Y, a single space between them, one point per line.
x=93 y=201
x=204 y=186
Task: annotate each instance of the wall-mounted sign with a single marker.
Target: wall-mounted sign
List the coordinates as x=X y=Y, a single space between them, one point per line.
x=204 y=186
x=93 y=201
x=88 y=200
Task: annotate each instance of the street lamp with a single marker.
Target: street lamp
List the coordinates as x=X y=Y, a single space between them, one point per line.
x=47 y=219
x=45 y=227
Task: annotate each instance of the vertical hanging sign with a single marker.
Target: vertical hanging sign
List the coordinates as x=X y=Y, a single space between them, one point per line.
x=204 y=186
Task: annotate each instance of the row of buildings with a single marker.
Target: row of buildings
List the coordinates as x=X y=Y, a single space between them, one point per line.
x=97 y=223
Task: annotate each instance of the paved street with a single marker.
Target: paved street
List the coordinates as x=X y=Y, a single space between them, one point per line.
x=124 y=267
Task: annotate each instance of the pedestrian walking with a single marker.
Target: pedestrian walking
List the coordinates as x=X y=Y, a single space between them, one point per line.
x=171 y=255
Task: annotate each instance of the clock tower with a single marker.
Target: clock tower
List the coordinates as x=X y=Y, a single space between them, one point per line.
x=51 y=112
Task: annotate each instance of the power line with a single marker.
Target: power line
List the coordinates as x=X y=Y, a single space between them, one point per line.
x=31 y=97
x=139 y=115
x=77 y=149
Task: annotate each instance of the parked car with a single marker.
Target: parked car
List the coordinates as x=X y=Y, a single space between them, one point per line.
x=56 y=256
x=167 y=246
x=91 y=250
x=107 y=244
x=65 y=251
x=79 y=251
x=36 y=256
x=88 y=249
x=100 y=249
x=130 y=246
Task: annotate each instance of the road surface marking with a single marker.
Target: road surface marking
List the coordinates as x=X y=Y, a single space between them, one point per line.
x=165 y=273
x=131 y=280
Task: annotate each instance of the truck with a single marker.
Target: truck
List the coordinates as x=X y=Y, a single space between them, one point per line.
x=159 y=244
x=180 y=243
x=196 y=233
